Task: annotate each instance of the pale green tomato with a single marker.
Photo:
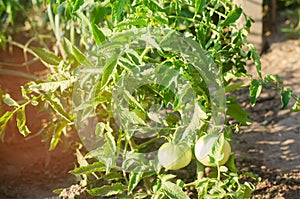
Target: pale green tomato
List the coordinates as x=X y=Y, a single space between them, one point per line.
x=203 y=149
x=174 y=156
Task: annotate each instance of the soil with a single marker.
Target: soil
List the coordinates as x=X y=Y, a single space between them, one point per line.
x=269 y=147
x=27 y=168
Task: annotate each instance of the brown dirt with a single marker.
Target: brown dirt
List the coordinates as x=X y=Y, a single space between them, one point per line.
x=270 y=146
x=27 y=168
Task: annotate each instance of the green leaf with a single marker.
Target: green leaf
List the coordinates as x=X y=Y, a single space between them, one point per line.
x=235 y=86
x=217 y=149
x=273 y=78
x=140 y=195
x=3 y=122
x=77 y=5
x=113 y=176
x=240 y=115
x=108 y=190
x=133 y=102
x=109 y=67
x=79 y=56
x=285 y=97
x=232 y=16
x=255 y=90
x=1 y=100
x=61 y=125
x=231 y=164
x=9 y=101
x=256 y=58
x=2 y=41
x=173 y=191
x=248 y=189
x=97 y=15
x=46 y=56
x=135 y=177
x=98 y=34
x=117 y=9
x=95 y=167
x=200 y=5
x=57 y=106
x=21 y=122
x=53 y=86
x=133 y=22
x=153 y=5
x=296 y=107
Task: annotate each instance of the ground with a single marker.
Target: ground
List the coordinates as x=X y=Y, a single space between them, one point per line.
x=269 y=147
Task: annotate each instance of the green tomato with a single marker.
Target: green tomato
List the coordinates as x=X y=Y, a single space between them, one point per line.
x=174 y=156
x=203 y=150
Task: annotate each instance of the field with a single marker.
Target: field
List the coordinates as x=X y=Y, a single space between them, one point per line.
x=266 y=151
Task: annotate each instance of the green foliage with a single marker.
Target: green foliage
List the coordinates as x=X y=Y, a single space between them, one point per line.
x=92 y=64
x=291 y=10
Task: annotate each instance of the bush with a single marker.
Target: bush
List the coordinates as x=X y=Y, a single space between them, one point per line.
x=127 y=81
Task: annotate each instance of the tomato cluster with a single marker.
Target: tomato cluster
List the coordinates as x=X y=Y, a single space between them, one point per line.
x=176 y=156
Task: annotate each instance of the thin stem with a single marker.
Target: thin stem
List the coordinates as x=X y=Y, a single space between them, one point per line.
x=18 y=74
x=22 y=64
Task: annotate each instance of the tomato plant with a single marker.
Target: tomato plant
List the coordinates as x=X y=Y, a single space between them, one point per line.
x=127 y=74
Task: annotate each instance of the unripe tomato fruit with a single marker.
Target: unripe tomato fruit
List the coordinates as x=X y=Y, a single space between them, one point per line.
x=203 y=149
x=174 y=156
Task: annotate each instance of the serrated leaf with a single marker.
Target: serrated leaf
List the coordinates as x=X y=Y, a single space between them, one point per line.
x=255 y=90
x=232 y=16
x=53 y=86
x=173 y=191
x=46 y=56
x=135 y=177
x=95 y=167
x=98 y=34
x=285 y=97
x=234 y=110
x=108 y=190
x=9 y=101
x=21 y=122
